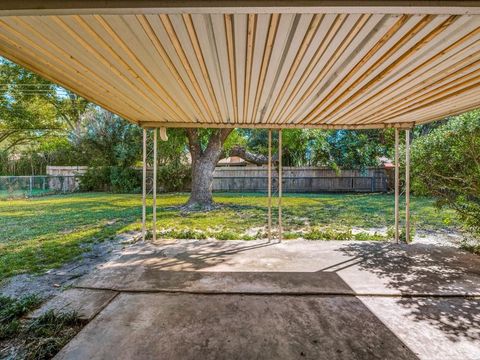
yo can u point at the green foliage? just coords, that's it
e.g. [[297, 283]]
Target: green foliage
[[114, 145], [125, 180], [235, 138], [402, 236], [34, 159], [49, 333], [174, 176], [42, 337], [184, 234], [111, 178], [332, 234], [96, 179], [110, 140], [39, 122], [352, 149], [11, 311], [446, 165], [296, 144], [26, 114], [173, 150], [34, 110], [474, 248], [334, 148]]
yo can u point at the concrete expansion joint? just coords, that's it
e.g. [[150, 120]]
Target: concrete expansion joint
[[468, 296]]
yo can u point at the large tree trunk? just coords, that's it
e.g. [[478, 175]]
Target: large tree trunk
[[204, 161]]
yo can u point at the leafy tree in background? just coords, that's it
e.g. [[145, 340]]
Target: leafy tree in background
[[30, 102], [312, 147], [446, 165], [25, 113], [353, 149], [39, 122], [114, 146]]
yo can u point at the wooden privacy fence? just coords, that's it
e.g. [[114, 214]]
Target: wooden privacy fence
[[254, 179], [301, 179]]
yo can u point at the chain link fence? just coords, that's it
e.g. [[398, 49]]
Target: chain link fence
[[29, 186]]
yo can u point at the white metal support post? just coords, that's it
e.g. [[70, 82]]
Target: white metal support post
[[269, 184], [407, 185], [397, 187], [144, 186], [280, 180], [154, 186]]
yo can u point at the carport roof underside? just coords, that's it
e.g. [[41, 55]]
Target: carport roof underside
[[325, 64]]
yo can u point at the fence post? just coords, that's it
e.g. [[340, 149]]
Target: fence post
[[31, 185]]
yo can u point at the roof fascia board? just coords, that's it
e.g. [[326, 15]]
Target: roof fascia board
[[84, 7]]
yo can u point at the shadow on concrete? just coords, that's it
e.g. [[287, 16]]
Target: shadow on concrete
[[233, 325], [351, 284], [416, 268], [196, 255]]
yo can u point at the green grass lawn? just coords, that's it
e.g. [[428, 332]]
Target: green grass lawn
[[41, 233]]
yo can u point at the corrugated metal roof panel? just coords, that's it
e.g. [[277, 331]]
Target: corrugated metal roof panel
[[344, 70]]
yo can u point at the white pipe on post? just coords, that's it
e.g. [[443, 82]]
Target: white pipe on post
[[269, 181], [397, 187], [280, 180], [144, 185], [154, 216], [407, 185]]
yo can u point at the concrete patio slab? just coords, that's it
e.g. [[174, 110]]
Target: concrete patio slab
[[87, 303], [188, 326], [434, 328], [360, 268], [298, 299]]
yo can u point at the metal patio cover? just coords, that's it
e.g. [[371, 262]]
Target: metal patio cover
[[269, 64]]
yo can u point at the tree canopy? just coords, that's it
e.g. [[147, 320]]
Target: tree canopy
[[446, 165]]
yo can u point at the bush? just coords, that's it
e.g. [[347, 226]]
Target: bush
[[125, 180], [111, 178], [174, 176], [446, 165], [96, 179]]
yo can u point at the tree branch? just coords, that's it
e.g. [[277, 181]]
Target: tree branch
[[257, 159], [215, 143]]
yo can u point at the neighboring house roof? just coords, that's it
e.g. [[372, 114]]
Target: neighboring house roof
[[232, 161], [386, 162]]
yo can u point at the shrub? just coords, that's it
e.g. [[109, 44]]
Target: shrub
[[125, 180], [330, 234], [96, 179], [174, 176], [446, 165], [111, 178]]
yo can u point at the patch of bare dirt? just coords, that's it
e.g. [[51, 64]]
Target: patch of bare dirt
[[54, 281]]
